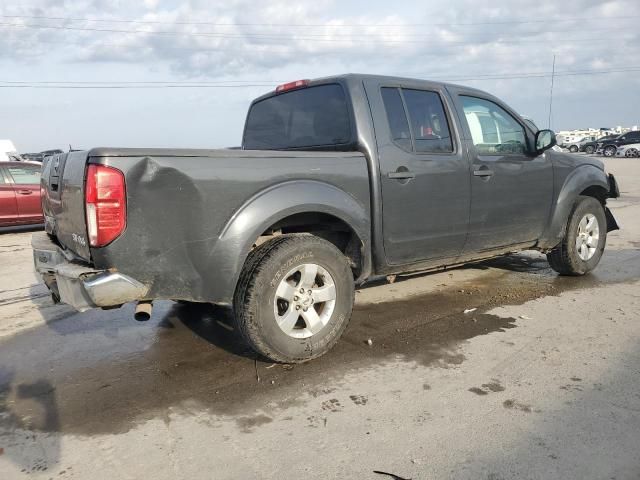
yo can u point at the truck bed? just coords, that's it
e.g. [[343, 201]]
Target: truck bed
[[180, 202]]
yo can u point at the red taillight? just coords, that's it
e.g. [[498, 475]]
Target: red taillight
[[105, 203], [292, 86]]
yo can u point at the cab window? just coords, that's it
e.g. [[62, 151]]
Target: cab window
[[423, 126], [493, 130], [428, 121]]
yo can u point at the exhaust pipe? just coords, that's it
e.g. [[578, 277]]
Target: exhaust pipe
[[143, 311]]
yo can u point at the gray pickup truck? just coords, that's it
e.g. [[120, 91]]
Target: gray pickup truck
[[339, 180]]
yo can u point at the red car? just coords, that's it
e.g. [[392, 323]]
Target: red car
[[20, 194]]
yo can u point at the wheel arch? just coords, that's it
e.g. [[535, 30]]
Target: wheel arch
[[586, 180], [306, 206]]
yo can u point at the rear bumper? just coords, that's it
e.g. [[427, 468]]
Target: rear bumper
[[78, 284]]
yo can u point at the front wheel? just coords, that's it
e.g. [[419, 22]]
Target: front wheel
[[584, 239], [573, 148], [294, 298], [589, 149], [609, 151], [631, 153]]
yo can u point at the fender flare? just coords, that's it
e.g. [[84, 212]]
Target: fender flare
[[272, 205], [576, 182]]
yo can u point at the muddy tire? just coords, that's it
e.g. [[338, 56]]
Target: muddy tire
[[294, 298], [584, 240]]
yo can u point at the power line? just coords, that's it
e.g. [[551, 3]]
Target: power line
[[553, 75], [307, 25], [228, 84], [253, 36]]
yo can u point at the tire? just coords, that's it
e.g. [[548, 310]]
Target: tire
[[589, 149], [573, 148], [609, 151], [631, 153], [263, 302], [569, 259]]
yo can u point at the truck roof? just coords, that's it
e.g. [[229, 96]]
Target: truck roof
[[359, 77]]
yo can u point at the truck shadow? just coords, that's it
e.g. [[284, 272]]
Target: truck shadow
[[101, 372]]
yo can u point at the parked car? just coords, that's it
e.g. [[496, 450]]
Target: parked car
[[610, 147], [33, 157], [48, 153], [629, 151], [376, 176], [20, 194], [577, 145], [592, 146]]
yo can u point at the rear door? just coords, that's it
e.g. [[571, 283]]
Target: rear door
[[8, 204], [511, 190], [26, 184], [424, 172]]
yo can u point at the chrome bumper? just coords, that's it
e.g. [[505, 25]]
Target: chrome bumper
[[79, 285]]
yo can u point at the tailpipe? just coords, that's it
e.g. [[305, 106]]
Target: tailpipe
[[143, 311]]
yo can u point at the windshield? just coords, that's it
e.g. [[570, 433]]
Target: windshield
[[314, 117]]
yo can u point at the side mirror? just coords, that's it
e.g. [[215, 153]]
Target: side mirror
[[545, 139]]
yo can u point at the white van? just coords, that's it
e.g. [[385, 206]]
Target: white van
[[8, 151]]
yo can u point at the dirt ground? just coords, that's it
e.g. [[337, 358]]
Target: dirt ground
[[541, 381]]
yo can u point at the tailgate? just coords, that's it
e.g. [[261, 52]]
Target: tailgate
[[63, 201]]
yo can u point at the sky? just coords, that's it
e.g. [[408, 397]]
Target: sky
[[168, 73]]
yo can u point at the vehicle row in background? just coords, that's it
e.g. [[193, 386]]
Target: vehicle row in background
[[609, 147], [9, 153]]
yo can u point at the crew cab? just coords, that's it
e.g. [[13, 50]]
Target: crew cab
[[339, 180]]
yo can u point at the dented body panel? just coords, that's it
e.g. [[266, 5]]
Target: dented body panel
[[192, 219]]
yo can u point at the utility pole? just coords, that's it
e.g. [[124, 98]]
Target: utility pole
[[553, 74]]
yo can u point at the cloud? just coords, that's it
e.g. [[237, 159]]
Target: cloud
[[468, 42], [197, 39]]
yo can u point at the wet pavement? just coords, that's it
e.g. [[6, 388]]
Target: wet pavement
[[101, 377]]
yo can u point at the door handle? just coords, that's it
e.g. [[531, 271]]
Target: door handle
[[483, 172], [25, 192], [401, 175]]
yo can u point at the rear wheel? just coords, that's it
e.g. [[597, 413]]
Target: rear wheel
[[294, 298], [584, 240], [573, 148], [631, 153], [589, 149]]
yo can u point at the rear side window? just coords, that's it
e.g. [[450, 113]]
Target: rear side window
[[309, 117], [398, 124], [429, 124], [428, 121], [25, 175]]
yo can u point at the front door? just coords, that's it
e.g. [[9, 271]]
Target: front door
[[424, 173], [511, 189]]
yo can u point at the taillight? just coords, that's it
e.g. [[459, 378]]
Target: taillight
[[105, 203], [285, 87]]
